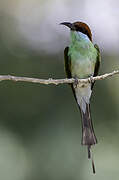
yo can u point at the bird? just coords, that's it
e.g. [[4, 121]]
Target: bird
[[82, 60]]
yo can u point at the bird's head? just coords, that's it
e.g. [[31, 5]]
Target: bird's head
[[79, 27]]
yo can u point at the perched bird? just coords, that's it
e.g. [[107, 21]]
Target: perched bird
[[82, 60]]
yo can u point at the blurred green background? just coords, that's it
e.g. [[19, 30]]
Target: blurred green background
[[40, 126]]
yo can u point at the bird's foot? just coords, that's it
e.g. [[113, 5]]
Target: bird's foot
[[91, 80], [75, 82]]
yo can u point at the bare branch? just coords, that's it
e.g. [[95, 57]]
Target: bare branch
[[56, 81]]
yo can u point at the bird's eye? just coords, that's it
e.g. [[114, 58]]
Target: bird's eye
[[76, 27]]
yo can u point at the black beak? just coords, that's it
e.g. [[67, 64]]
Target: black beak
[[68, 24]]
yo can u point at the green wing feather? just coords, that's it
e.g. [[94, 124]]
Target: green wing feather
[[67, 63], [97, 65]]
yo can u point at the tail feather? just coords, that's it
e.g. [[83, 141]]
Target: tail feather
[[88, 135], [82, 97]]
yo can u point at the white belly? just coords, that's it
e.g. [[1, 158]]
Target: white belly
[[82, 68], [83, 95]]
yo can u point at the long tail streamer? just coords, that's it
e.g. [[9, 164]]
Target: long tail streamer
[[90, 156]]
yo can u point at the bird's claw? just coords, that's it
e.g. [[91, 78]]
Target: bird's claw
[[75, 82], [91, 80]]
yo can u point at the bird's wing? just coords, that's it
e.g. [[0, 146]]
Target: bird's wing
[[67, 63], [97, 65]]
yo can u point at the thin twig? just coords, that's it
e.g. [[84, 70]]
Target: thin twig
[[56, 81]]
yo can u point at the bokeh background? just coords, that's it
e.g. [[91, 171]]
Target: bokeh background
[[40, 128]]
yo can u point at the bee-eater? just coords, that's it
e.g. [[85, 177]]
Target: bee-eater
[[82, 60]]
